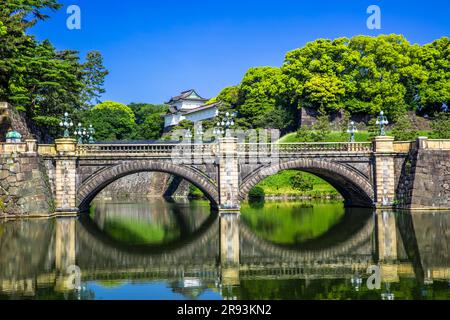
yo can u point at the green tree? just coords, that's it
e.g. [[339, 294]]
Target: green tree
[[362, 74], [93, 78], [313, 73], [321, 129], [403, 129], [35, 77], [434, 93], [345, 121], [256, 193], [46, 83], [143, 110], [441, 126], [373, 129], [152, 128], [304, 134], [300, 182], [384, 75], [112, 121], [184, 125], [260, 93], [149, 120], [3, 30], [228, 95]]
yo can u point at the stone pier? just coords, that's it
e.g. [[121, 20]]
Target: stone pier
[[65, 255], [229, 248], [65, 176], [228, 174], [384, 172]]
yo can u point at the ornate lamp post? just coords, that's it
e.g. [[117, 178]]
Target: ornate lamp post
[[356, 282], [382, 121], [352, 130], [66, 122], [198, 132], [387, 294], [223, 127], [91, 132], [188, 135], [218, 131], [80, 132]]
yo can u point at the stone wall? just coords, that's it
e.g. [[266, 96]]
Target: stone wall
[[425, 180], [10, 118], [147, 184], [431, 187], [308, 117], [24, 186], [404, 177]]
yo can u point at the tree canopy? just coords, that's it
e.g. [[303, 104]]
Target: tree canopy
[[360, 74], [112, 121], [149, 120], [35, 77]]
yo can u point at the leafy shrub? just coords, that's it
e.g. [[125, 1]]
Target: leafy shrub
[[303, 135], [441, 126], [300, 182], [256, 193], [403, 129], [322, 128]]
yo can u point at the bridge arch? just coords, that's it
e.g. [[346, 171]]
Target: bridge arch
[[356, 189], [87, 191], [356, 241]]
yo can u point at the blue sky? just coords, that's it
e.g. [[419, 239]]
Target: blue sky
[[155, 49]]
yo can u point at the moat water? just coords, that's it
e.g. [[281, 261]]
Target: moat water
[[159, 249]]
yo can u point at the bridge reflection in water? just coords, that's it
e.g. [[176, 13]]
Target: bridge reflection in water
[[199, 255]]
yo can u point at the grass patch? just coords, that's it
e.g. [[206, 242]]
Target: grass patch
[[195, 193], [136, 232], [280, 184], [337, 136], [291, 223]]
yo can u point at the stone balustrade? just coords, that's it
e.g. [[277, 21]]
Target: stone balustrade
[[305, 147], [47, 149], [403, 146], [438, 144], [29, 146], [20, 147], [369, 173], [157, 150], [208, 148]]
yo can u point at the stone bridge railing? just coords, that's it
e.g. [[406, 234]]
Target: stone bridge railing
[[123, 150], [382, 183], [152, 150], [304, 147], [166, 150], [29, 146]]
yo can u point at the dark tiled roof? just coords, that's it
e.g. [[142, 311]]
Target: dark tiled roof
[[202, 107], [184, 95]]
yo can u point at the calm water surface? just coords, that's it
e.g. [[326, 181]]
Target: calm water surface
[[158, 249]]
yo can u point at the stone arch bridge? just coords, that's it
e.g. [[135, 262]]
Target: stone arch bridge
[[382, 173]]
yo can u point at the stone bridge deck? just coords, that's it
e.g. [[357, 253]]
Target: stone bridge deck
[[382, 173]]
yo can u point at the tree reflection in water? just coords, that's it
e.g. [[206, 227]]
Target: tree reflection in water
[[178, 251]]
